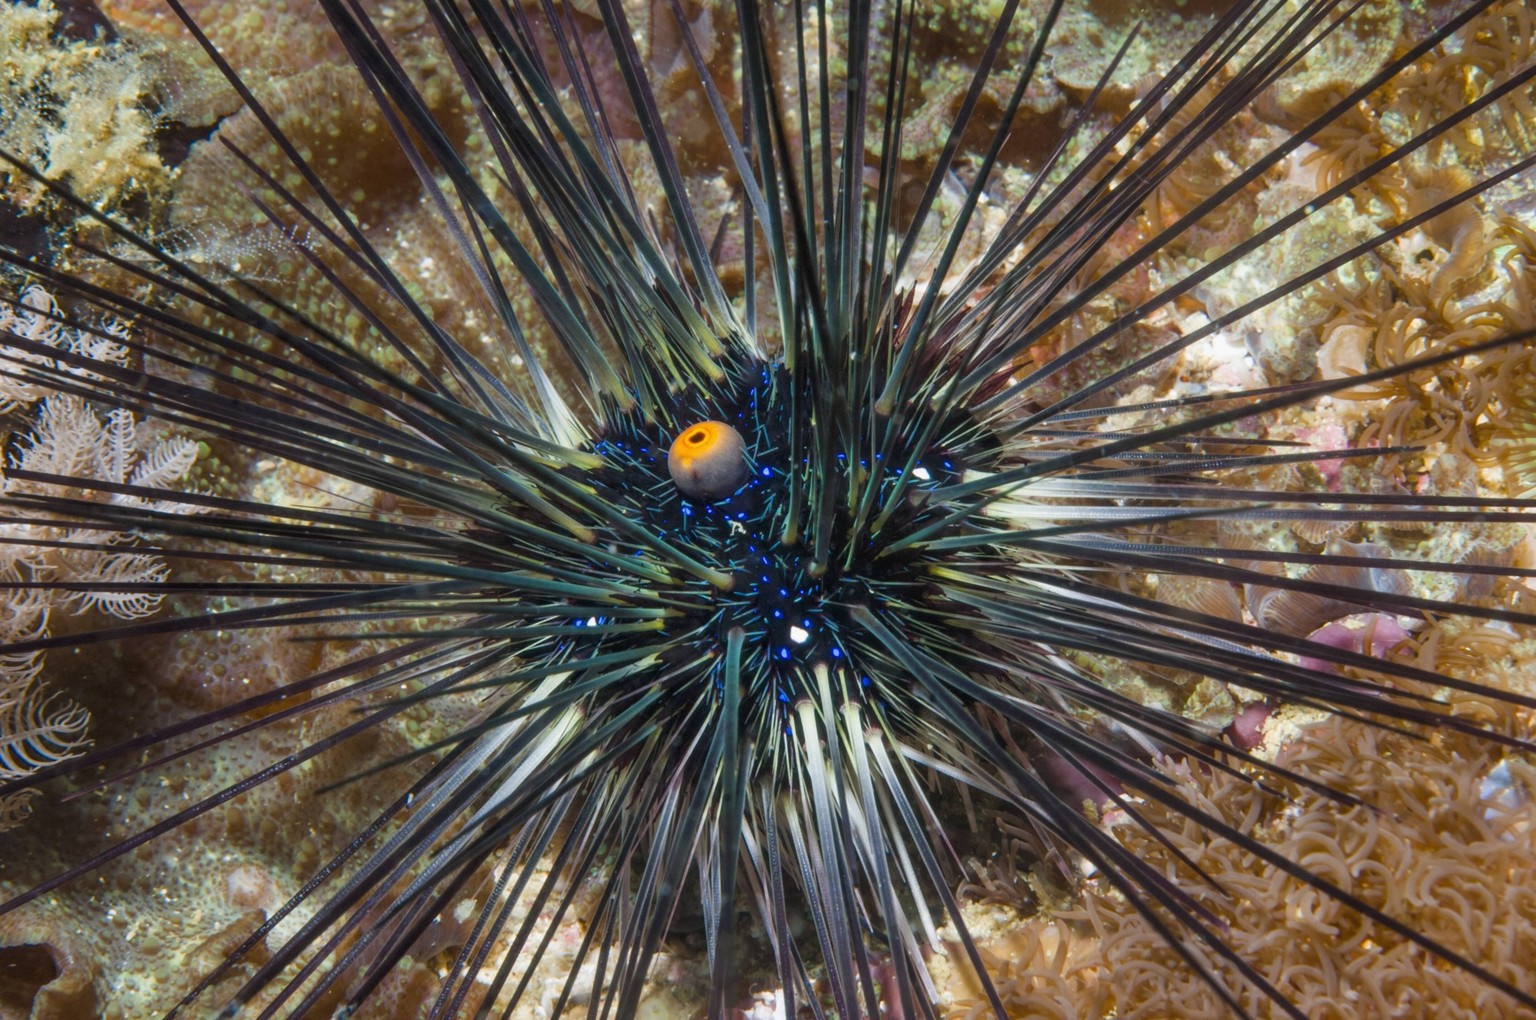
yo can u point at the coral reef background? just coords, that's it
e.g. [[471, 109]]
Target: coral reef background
[[117, 102]]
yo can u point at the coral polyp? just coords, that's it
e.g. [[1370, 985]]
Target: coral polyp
[[693, 513]]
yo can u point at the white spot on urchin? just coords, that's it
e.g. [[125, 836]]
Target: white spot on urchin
[[799, 635]]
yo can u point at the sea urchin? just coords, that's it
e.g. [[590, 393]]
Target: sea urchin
[[752, 538]]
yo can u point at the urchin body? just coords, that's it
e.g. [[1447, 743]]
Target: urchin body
[[790, 604]]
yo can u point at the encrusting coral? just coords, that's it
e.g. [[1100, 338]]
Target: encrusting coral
[[107, 114], [1441, 835], [1457, 279], [1442, 832]]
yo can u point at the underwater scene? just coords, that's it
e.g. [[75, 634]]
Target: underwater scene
[[767, 509]]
